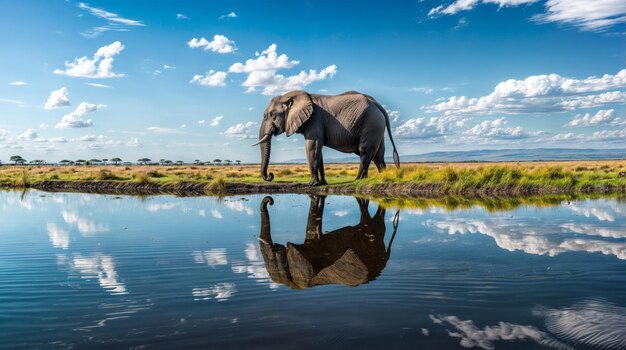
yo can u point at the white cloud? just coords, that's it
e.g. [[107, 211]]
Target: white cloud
[[3, 135], [87, 138], [229, 15], [596, 15], [465, 5], [216, 121], [58, 98], [219, 44], [424, 90], [160, 130], [75, 119], [28, 135], [181, 16], [102, 86], [240, 131], [100, 66], [15, 102], [496, 129], [212, 78], [84, 225], [428, 128], [539, 93], [134, 142], [113, 21], [59, 140], [609, 135], [262, 72], [601, 117], [18, 83], [268, 60]]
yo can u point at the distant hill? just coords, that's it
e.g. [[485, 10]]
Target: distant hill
[[499, 155]]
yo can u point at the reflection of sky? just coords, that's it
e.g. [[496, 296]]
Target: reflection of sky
[[108, 258]]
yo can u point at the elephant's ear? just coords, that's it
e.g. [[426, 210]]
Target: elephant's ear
[[300, 109]]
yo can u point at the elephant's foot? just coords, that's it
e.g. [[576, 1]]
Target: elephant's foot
[[314, 182], [323, 182]]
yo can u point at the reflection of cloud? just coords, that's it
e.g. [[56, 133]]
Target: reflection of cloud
[[59, 238], [594, 231], [220, 291], [212, 257], [239, 207], [84, 226], [255, 267], [98, 266], [472, 336], [593, 323], [340, 213], [515, 236], [162, 206], [585, 210], [216, 214]]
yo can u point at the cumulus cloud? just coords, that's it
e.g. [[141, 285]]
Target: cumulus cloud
[[601, 117], [28, 135], [496, 129], [58, 98], [609, 135], [539, 94], [428, 128], [587, 15], [58, 237], [219, 44], [99, 66], [18, 83], [75, 119], [181, 16], [240, 131], [216, 121], [114, 22], [229, 15], [262, 73], [211, 78], [133, 142]]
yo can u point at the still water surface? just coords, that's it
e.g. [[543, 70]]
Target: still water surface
[[294, 272]]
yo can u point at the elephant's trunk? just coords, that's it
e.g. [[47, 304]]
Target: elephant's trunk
[[266, 148]]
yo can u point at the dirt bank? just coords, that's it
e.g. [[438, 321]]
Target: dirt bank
[[401, 190]]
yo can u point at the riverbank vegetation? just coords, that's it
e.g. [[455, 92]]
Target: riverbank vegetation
[[410, 179]]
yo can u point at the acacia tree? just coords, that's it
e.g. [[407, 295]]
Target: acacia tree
[[228, 161], [238, 162], [65, 162], [144, 161], [116, 160], [17, 159], [217, 161]]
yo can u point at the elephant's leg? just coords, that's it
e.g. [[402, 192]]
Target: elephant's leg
[[379, 158], [321, 170], [313, 153], [367, 149]]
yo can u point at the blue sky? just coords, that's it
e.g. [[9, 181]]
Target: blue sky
[[186, 80]]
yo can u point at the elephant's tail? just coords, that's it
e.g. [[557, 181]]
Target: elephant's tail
[[396, 157]]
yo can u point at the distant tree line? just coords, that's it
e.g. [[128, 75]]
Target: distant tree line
[[19, 160]]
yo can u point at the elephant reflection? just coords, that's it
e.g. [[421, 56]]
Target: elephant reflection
[[351, 255]]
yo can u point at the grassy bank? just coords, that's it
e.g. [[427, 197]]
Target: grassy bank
[[411, 180]]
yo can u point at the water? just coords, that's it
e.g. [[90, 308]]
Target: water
[[98, 271]]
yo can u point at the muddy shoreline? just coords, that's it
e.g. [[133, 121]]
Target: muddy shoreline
[[397, 190]]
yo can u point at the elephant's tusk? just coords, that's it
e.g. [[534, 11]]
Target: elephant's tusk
[[262, 140]]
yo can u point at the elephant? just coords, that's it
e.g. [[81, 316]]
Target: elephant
[[351, 122], [351, 255]]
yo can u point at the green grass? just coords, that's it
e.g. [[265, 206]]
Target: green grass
[[449, 179]]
